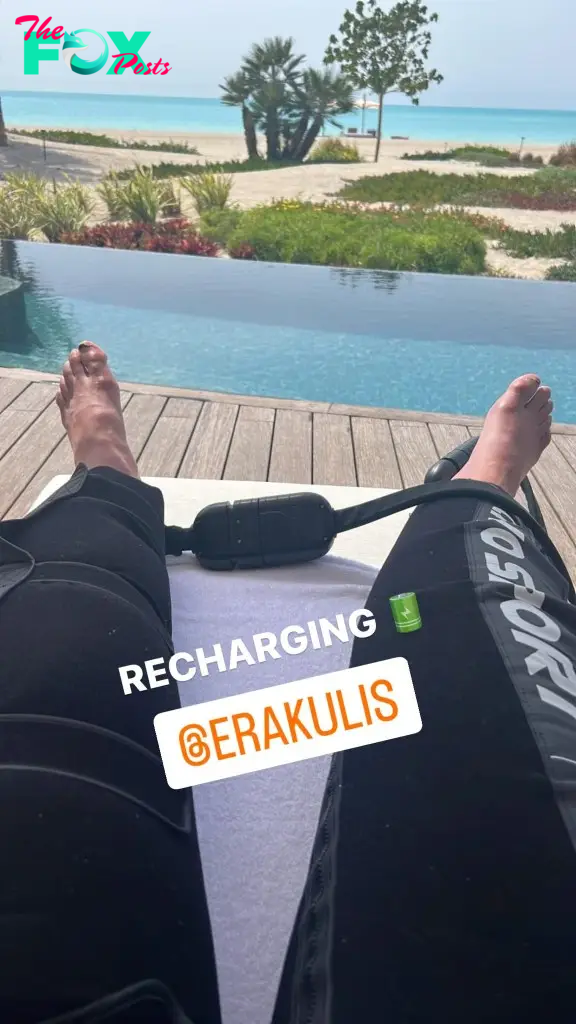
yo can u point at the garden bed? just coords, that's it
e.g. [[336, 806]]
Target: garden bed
[[548, 189]]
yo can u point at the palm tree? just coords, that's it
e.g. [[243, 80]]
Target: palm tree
[[273, 71], [237, 92], [323, 97], [3, 135], [271, 107], [273, 60]]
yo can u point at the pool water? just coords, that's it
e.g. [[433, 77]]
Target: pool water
[[404, 341]]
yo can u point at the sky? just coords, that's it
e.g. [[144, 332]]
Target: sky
[[492, 53]]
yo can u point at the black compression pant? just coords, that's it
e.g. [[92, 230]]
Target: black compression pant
[[100, 880], [443, 882]]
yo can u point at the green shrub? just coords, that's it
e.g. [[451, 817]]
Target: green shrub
[[209, 191], [219, 225], [547, 189], [62, 208], [18, 212], [411, 218], [140, 198], [29, 205], [178, 170], [112, 190], [334, 151], [548, 244], [489, 156], [333, 236], [562, 272], [565, 156], [25, 185], [492, 160], [104, 141], [557, 178]]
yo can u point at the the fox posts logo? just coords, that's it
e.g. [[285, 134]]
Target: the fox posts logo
[[47, 42]]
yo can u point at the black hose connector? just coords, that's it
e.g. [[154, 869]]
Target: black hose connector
[[447, 467], [450, 464]]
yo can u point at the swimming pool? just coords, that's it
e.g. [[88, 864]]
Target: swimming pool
[[406, 341]]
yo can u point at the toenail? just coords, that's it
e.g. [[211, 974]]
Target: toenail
[[84, 344]]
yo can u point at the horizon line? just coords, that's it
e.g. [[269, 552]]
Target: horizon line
[[139, 96]]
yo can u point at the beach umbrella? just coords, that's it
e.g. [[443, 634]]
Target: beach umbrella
[[366, 104]]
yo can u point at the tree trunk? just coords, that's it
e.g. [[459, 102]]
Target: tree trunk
[[250, 133], [310, 137], [293, 149], [3, 136], [272, 138], [379, 130]]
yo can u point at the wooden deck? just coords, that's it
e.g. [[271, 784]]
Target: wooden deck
[[181, 433]]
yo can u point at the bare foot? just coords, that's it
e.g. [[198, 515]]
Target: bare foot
[[515, 433], [89, 403]]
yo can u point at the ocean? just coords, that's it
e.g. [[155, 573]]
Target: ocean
[[187, 114]]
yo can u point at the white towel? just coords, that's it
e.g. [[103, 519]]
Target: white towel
[[256, 831]]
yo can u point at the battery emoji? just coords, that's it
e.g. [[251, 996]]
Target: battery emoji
[[406, 613]]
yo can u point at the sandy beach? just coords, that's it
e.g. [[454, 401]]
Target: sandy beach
[[315, 183]]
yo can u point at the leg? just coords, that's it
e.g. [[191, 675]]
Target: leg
[[105, 886], [454, 850]]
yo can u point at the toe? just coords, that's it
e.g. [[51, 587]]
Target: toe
[[525, 388], [521, 391], [545, 413], [76, 365], [542, 397], [68, 377], [93, 358], [64, 392], [546, 434]]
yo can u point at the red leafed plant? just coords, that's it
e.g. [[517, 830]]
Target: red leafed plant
[[543, 201], [170, 236]]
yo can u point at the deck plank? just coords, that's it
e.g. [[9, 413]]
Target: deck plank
[[332, 451], [415, 450], [249, 455], [10, 390], [28, 454], [168, 441], [567, 446], [140, 416], [291, 457], [558, 482], [376, 460], [21, 411], [14, 423], [447, 436], [60, 462], [209, 445], [556, 531], [35, 398]]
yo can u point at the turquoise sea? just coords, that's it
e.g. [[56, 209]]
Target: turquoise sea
[[188, 114]]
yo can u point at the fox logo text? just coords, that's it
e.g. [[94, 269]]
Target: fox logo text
[[45, 41]]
